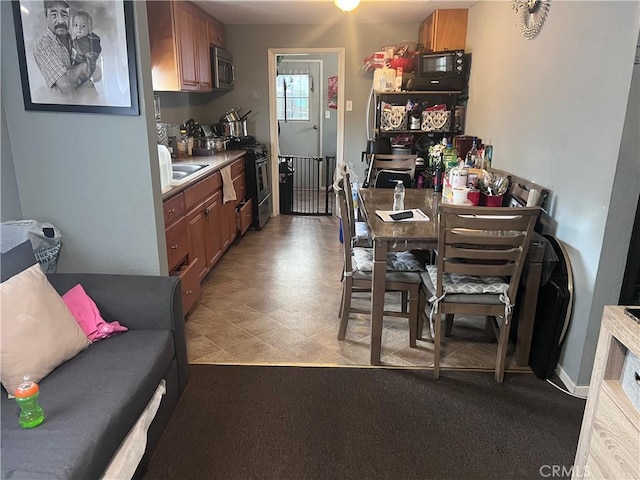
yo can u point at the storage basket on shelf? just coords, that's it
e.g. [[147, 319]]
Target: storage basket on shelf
[[436, 120], [394, 118]]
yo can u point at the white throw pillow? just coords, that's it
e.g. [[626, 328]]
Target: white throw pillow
[[38, 332]]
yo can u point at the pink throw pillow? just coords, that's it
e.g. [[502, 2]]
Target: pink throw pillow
[[88, 316]]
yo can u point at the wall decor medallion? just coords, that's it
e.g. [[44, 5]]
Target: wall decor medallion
[[533, 14]]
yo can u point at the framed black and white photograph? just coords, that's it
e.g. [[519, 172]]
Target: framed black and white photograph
[[77, 56]]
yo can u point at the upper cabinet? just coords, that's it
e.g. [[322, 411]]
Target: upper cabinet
[[444, 29], [180, 35], [216, 33]]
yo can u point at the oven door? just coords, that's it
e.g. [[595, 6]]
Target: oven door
[[262, 178]]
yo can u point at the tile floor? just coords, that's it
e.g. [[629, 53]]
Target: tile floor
[[274, 297]]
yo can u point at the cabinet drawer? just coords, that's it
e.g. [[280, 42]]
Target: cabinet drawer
[[244, 217], [173, 208], [190, 285], [237, 167], [177, 243], [202, 189], [240, 186]]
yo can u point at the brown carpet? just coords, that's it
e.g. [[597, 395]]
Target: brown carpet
[[262, 422]]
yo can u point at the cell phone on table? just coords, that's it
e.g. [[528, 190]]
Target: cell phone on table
[[401, 215], [633, 313]]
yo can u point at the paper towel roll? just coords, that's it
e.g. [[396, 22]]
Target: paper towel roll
[[164, 160]]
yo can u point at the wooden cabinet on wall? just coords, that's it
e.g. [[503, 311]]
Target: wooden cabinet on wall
[[444, 29], [200, 227], [609, 445], [217, 34], [180, 38]]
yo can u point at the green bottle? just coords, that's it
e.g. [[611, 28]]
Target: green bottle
[[31, 413]]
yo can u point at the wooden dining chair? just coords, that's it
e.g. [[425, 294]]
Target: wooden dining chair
[[385, 169], [481, 254], [403, 275]]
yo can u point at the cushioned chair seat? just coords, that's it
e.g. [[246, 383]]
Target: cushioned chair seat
[[82, 429], [474, 298], [407, 277], [403, 261]]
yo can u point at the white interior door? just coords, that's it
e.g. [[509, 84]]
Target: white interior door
[[299, 93]]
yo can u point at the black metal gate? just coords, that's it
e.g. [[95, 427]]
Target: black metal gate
[[306, 185]]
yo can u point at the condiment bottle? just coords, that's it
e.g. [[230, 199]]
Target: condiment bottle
[[31, 413]]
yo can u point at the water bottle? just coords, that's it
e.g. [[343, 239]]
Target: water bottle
[[27, 393], [398, 196]]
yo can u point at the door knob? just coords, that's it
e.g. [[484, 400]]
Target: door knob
[[315, 127]]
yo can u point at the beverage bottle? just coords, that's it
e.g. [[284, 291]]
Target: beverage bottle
[[450, 162], [31, 413], [398, 196], [472, 155]]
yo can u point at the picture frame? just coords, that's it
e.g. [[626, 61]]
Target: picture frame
[[100, 73]]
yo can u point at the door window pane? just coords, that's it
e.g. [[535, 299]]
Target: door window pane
[[293, 97]]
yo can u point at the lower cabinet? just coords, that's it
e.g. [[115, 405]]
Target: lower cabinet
[[199, 228]]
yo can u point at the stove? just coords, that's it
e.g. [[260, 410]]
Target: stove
[[258, 175]]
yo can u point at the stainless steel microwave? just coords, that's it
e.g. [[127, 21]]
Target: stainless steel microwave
[[223, 74], [447, 70]]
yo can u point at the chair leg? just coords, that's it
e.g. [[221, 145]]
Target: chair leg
[[502, 349], [413, 315], [436, 345], [448, 324], [403, 302], [422, 304], [346, 307]]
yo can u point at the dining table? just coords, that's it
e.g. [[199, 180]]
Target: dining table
[[393, 237], [409, 235]]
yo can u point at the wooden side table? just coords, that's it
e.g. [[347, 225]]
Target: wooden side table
[[609, 445]]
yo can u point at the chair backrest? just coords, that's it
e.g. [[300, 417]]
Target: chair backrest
[[348, 224], [483, 241], [348, 191], [397, 164]]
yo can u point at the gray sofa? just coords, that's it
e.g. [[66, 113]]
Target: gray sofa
[[92, 401]]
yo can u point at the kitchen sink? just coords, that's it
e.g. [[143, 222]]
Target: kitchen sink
[[180, 171]]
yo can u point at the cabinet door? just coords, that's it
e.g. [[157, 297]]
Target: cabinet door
[[444, 29], [216, 33], [214, 229], [196, 227], [202, 52], [186, 44], [177, 243], [190, 286]]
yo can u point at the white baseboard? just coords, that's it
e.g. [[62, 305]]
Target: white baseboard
[[581, 390]]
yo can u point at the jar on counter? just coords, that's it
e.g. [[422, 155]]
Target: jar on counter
[[182, 144]]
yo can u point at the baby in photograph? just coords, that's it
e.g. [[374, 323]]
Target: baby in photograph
[[85, 45]]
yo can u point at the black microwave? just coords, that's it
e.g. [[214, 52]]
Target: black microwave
[[448, 70]]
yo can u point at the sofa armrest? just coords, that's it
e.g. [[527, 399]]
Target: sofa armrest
[[139, 302]]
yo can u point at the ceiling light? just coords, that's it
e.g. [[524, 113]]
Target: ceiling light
[[346, 5]]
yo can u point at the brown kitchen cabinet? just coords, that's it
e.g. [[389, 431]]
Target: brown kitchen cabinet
[[444, 29], [199, 228], [217, 35], [179, 41]]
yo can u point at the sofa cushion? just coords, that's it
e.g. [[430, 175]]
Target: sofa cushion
[[38, 331], [17, 259], [87, 314], [90, 403]]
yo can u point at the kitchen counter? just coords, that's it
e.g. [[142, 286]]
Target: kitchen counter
[[214, 163]]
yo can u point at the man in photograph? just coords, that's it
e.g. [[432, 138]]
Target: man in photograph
[[52, 53]]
